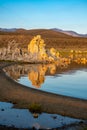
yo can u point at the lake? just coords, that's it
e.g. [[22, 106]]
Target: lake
[[68, 79]]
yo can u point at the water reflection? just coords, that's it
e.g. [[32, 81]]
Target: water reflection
[[23, 118], [36, 73], [70, 77]]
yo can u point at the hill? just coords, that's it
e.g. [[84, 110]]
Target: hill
[[8, 30], [21, 30], [52, 38], [33, 32], [69, 32]]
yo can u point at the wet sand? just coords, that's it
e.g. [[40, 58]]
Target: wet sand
[[22, 97]]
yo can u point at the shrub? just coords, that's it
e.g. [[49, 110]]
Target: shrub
[[35, 108]]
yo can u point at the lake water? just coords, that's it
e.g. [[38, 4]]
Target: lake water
[[69, 79], [23, 118]]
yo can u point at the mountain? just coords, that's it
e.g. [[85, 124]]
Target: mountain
[[71, 33], [8, 30], [22, 30], [47, 33]]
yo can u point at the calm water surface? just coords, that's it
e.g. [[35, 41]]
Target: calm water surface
[[69, 79], [23, 118]]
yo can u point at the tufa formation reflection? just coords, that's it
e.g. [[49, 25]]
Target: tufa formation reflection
[[36, 72], [37, 75]]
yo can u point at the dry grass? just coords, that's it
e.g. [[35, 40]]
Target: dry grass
[[52, 39]]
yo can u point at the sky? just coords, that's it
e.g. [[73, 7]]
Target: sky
[[36, 14]]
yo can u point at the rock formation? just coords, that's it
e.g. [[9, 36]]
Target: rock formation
[[54, 53], [13, 53], [37, 48], [36, 52]]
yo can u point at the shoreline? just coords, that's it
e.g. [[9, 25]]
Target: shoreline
[[79, 126], [75, 126], [21, 97]]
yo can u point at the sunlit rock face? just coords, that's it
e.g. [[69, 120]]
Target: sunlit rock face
[[37, 47], [54, 54], [36, 52]]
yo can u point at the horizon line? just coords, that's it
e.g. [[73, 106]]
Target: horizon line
[[41, 28]]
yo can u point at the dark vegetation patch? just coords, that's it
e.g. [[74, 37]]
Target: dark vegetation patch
[[35, 108]]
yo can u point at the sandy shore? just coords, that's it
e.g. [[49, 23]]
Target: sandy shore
[[22, 96]]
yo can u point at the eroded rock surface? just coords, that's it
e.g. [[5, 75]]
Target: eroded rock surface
[[37, 48], [36, 52]]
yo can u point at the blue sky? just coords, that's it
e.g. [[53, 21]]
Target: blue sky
[[32, 14]]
